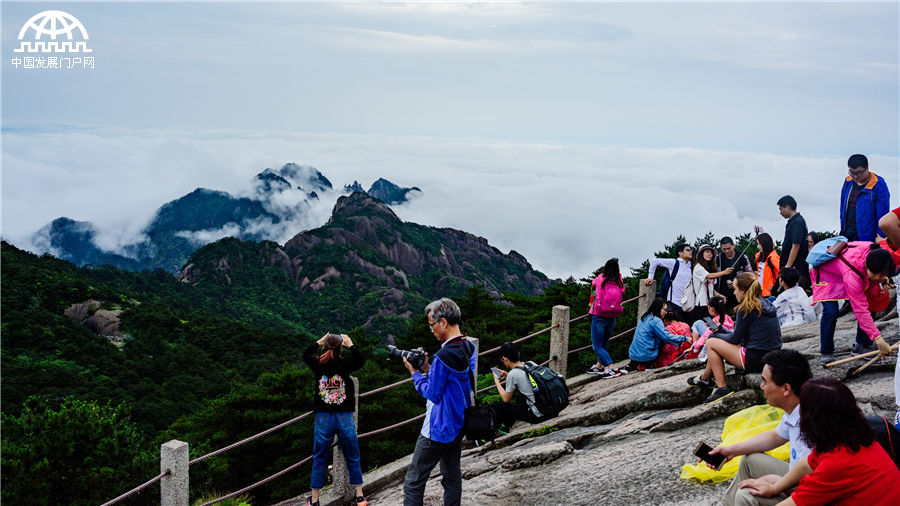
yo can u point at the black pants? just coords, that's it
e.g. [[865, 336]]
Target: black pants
[[507, 413], [427, 455]]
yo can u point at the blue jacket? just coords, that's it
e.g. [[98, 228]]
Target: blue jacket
[[648, 335], [872, 203], [447, 386]]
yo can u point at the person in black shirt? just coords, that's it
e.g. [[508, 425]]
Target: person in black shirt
[[730, 258], [795, 245], [334, 396]]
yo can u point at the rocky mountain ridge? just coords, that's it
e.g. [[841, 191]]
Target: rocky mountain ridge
[[366, 256]]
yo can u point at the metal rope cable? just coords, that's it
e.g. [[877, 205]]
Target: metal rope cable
[[386, 387], [138, 488], [261, 482], [251, 438], [611, 338], [385, 429], [519, 340]]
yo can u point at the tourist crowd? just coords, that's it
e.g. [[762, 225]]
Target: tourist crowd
[[720, 306]]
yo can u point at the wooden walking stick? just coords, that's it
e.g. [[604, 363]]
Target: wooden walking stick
[[857, 357], [870, 362]]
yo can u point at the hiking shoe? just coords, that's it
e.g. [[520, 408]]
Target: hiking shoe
[[609, 372], [718, 394], [859, 349], [826, 359], [594, 370], [695, 381], [361, 501]]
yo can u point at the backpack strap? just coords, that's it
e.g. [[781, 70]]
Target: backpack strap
[[864, 278], [887, 428], [472, 396]]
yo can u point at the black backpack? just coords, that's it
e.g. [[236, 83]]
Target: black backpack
[[887, 436], [551, 395], [666, 284]]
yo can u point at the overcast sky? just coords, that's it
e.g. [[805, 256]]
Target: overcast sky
[[568, 132]]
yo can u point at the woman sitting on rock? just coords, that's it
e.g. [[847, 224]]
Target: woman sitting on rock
[[756, 332], [846, 466], [649, 335]]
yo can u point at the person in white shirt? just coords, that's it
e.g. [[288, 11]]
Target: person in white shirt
[[784, 372], [680, 276], [792, 305]]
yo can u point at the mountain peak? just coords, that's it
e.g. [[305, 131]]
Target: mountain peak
[[361, 204], [389, 193]]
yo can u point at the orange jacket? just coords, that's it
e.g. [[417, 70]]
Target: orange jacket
[[767, 272]]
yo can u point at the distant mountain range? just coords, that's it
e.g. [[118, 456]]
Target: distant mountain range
[[278, 206]]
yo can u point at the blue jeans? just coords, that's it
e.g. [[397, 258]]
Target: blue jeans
[[827, 325], [327, 425], [601, 329]]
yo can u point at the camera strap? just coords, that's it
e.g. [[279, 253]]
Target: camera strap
[[468, 355]]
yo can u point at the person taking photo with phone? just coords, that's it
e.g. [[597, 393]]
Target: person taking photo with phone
[[517, 381], [784, 373], [334, 405]]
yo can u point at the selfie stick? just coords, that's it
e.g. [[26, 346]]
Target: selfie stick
[[757, 230]]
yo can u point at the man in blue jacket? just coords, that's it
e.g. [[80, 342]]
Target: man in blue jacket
[[864, 200], [446, 386]]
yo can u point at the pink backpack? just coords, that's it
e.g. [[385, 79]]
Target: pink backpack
[[608, 299]]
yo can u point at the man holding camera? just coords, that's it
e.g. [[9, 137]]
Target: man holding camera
[[446, 386]]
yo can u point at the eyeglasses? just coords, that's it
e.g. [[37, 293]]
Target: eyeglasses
[[432, 324], [857, 172]]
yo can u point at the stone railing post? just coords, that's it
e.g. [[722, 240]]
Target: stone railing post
[[174, 487], [647, 293], [475, 342], [341, 475], [559, 340]]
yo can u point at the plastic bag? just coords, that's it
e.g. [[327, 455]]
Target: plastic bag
[[739, 427]]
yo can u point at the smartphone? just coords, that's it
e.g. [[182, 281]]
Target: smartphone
[[702, 452], [495, 371]]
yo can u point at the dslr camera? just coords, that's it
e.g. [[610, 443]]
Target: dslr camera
[[415, 357]]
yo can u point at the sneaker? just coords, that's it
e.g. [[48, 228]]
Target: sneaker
[[718, 394], [609, 372], [826, 358], [594, 370], [695, 381], [859, 349], [625, 370], [361, 501]]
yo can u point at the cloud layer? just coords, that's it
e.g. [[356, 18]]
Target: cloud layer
[[566, 208]]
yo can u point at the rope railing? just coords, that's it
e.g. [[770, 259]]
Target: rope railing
[[251, 438], [521, 339], [137, 489], [386, 387], [260, 482], [576, 350]]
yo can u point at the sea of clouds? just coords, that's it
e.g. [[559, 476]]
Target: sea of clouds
[[566, 208]]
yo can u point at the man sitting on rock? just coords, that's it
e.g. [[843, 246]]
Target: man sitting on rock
[[784, 372], [517, 380]]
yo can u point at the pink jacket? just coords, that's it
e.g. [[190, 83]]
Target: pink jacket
[[837, 281], [606, 301]]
